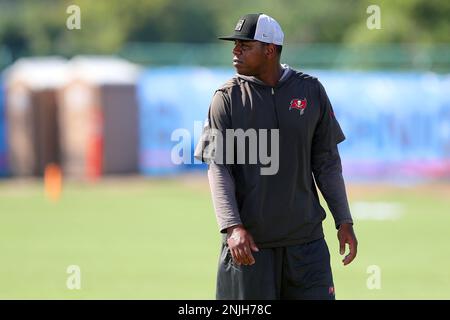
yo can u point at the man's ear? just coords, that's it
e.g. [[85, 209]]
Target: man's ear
[[270, 50]]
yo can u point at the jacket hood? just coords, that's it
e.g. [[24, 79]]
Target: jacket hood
[[287, 73]]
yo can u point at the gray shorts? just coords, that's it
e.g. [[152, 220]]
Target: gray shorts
[[291, 272]]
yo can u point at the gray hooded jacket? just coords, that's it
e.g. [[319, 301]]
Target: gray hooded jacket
[[280, 208]]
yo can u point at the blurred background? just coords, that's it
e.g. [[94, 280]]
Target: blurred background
[[92, 203]]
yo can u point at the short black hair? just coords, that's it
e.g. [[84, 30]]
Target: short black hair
[[279, 49]]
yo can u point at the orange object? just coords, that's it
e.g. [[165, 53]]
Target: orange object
[[94, 155], [53, 182]]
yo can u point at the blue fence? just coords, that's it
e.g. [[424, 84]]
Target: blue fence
[[396, 123], [172, 98]]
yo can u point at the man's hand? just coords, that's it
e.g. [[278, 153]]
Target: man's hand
[[241, 245], [347, 235]]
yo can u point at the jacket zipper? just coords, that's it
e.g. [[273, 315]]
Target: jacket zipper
[[275, 106]]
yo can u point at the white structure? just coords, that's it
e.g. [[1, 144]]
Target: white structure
[[99, 117], [31, 113]]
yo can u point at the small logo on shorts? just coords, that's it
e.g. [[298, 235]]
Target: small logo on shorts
[[299, 104]]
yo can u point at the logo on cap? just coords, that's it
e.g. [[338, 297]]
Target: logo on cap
[[239, 25]]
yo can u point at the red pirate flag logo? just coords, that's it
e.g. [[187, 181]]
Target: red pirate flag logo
[[299, 104]]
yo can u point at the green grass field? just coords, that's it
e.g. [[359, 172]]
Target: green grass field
[[140, 238]]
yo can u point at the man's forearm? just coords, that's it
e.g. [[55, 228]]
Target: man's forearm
[[223, 195], [328, 175]]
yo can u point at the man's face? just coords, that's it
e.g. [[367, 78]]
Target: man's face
[[249, 57]]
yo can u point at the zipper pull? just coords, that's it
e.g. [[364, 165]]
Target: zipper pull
[[273, 91]]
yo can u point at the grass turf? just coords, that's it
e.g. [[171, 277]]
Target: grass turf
[[157, 239]]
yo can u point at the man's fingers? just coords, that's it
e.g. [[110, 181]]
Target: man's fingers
[[242, 256], [233, 256], [349, 258], [249, 256], [253, 245], [346, 235], [245, 259], [236, 256], [342, 246], [353, 249]]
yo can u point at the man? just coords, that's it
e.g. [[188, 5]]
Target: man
[[273, 245]]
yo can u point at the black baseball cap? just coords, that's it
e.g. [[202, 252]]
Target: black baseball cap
[[257, 26]]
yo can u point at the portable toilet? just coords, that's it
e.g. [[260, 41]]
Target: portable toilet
[[32, 113], [98, 117]]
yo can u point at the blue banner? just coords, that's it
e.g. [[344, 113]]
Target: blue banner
[[396, 124], [172, 98]]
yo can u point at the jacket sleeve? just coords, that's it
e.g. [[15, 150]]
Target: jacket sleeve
[[211, 146], [211, 149], [326, 162], [327, 170], [223, 195]]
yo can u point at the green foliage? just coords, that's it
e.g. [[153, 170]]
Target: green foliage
[[412, 21], [39, 27]]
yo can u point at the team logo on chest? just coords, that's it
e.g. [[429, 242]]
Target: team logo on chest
[[299, 104]]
